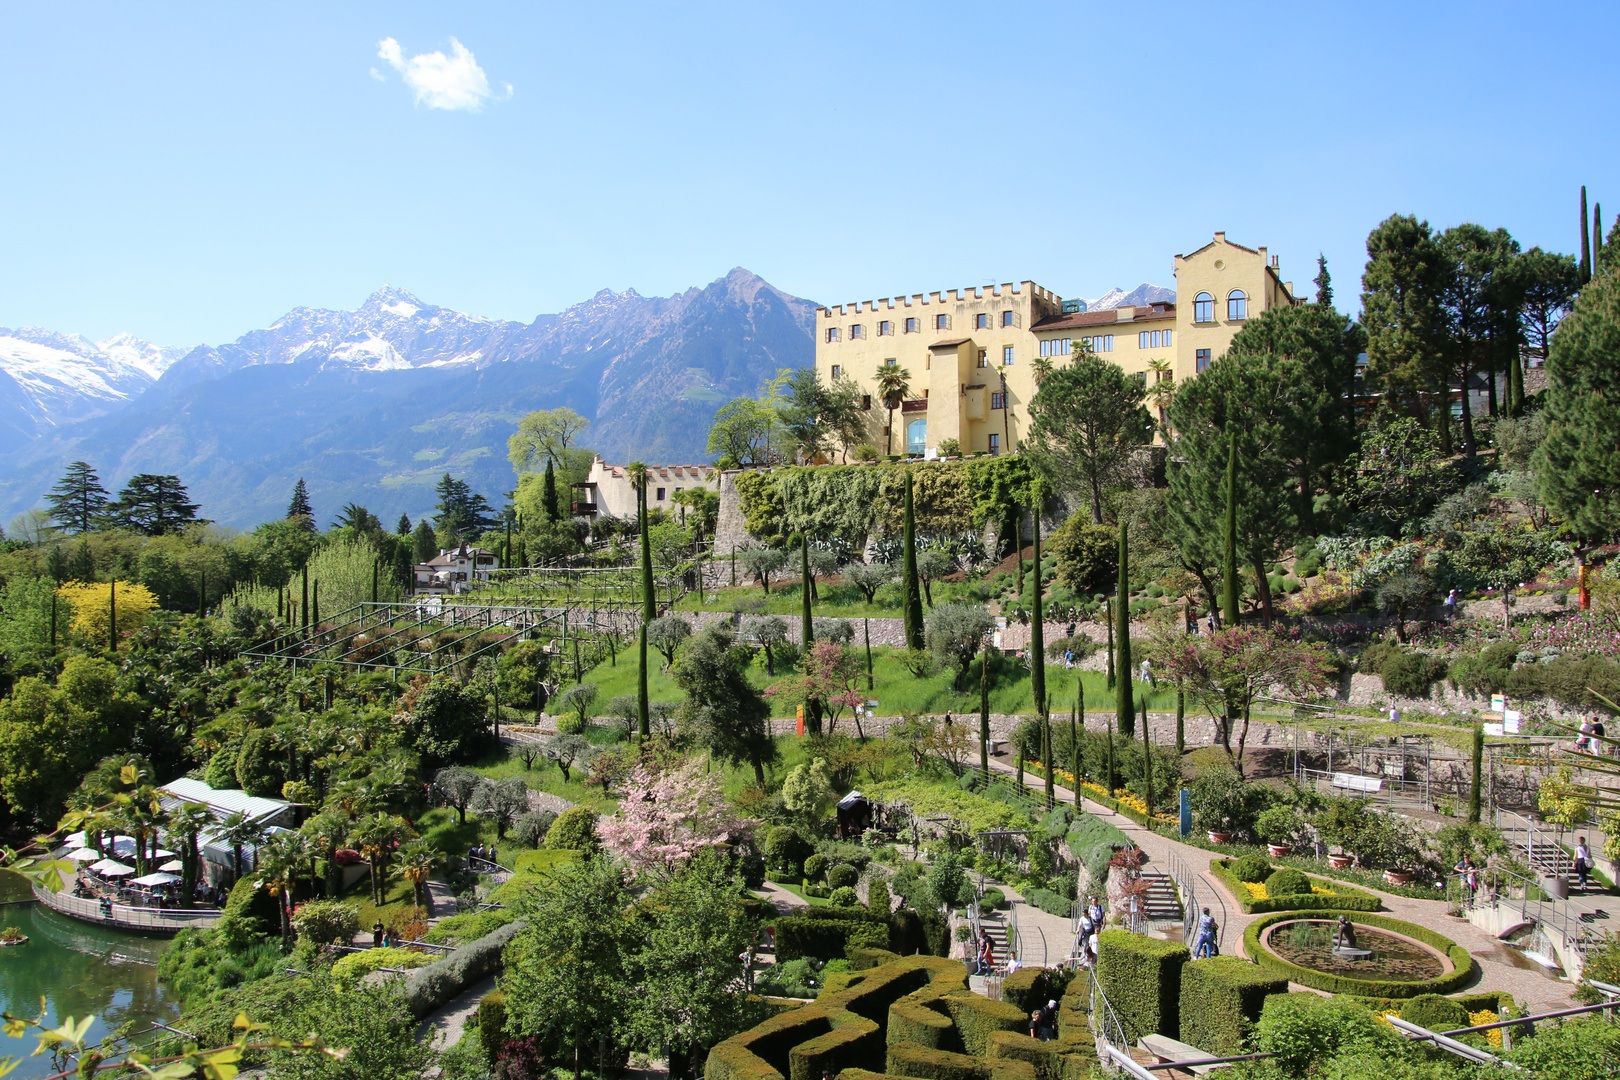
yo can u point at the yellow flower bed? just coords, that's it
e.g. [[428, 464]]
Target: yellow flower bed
[[1257, 889], [1487, 1016]]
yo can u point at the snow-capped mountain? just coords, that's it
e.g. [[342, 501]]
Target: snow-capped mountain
[[49, 379], [1141, 295], [374, 405]]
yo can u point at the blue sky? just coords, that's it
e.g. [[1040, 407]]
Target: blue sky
[[190, 172]]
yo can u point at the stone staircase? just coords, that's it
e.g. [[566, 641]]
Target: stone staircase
[[1547, 860], [1163, 902]]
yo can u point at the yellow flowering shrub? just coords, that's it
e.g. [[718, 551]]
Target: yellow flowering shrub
[[90, 603], [1487, 1016]]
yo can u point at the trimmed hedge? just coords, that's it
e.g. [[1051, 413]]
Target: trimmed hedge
[[826, 938], [1042, 1056], [1338, 984], [976, 1018], [1050, 902], [862, 959], [924, 1063], [1221, 999], [1344, 898], [842, 1030], [427, 988], [1287, 882], [1141, 978]]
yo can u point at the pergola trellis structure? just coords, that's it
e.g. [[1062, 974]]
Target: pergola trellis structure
[[597, 588], [429, 636]]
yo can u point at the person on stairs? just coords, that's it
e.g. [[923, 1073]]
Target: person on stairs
[[1206, 936]]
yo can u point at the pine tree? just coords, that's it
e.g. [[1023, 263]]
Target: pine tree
[[1124, 706], [404, 526], [1579, 458], [1324, 282], [548, 495], [153, 505], [910, 591], [78, 501], [1586, 242], [299, 509]]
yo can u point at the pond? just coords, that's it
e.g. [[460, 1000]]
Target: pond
[[78, 969], [1309, 943]]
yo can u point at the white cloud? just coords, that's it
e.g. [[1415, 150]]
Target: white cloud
[[440, 81]]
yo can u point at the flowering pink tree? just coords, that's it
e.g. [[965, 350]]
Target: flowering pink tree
[[1228, 671], [668, 815], [830, 674]]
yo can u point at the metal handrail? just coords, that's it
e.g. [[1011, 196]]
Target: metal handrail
[[1543, 914], [1186, 881], [1105, 1023], [168, 920], [1531, 832]]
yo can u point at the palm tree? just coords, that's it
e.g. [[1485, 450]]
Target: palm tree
[[143, 817], [1163, 386], [894, 383], [376, 836], [1042, 367], [187, 825], [328, 830], [239, 831], [417, 861], [279, 860]]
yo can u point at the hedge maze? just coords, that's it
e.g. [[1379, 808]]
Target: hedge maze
[[916, 1018]]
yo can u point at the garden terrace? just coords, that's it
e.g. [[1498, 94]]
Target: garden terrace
[[606, 589], [423, 637]]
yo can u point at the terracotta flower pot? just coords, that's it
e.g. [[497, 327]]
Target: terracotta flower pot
[[1398, 877], [1219, 837], [1340, 862], [1279, 850]]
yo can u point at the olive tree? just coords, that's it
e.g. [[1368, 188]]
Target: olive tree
[[579, 699], [954, 633], [760, 563], [931, 566], [666, 634], [768, 632], [869, 577]]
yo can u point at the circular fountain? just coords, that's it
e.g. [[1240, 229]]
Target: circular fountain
[[1352, 952]]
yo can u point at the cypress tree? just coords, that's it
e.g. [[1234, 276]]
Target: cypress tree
[[866, 628], [280, 613], [315, 604], [807, 631], [112, 613], [1037, 657], [1147, 759], [1229, 571], [374, 580], [1181, 722], [1110, 608], [649, 611], [1586, 243], [984, 704], [1020, 765], [1597, 238], [1475, 783], [1074, 733], [303, 604], [53, 620], [911, 592], [549, 503], [1125, 706], [1113, 765]]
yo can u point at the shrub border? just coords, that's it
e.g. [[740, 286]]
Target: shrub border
[[1356, 900], [1466, 967]]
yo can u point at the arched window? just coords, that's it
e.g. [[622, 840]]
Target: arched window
[[917, 436], [1237, 305], [1203, 308]]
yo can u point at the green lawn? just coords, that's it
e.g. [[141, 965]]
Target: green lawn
[[898, 691]]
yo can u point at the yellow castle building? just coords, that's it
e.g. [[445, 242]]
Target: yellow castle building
[[971, 354]]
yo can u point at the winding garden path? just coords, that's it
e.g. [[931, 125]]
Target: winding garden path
[[1501, 968]]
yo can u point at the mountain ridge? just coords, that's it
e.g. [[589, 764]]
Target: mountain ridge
[[373, 404]]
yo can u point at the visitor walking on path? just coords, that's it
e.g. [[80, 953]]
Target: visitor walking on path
[[1583, 861], [1206, 936]]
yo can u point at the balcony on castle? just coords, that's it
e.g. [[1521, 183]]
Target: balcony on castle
[[915, 405]]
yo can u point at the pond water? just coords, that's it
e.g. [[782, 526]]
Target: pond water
[[1309, 943], [78, 969]]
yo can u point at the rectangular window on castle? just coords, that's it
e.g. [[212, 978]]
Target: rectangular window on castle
[[942, 322], [1108, 343], [911, 326], [1007, 318], [1201, 359], [995, 443], [660, 495], [891, 362], [837, 371], [885, 328], [981, 321], [833, 334], [856, 331], [998, 401], [1167, 334], [866, 401], [984, 358], [1006, 354]]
